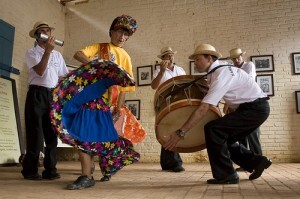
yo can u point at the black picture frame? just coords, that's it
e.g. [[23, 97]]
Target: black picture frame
[[134, 107], [10, 124], [296, 62], [193, 70], [263, 63], [297, 95], [266, 83], [156, 66], [144, 75]]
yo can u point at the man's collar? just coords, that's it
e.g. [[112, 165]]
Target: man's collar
[[214, 64]]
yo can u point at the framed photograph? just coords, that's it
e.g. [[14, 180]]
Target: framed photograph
[[297, 94], [263, 63], [193, 69], [156, 66], [134, 107], [144, 75], [266, 83], [11, 139], [296, 62], [226, 61]]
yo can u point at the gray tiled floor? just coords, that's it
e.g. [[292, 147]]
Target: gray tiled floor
[[148, 181]]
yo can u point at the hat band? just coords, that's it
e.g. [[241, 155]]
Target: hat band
[[42, 25], [168, 51]]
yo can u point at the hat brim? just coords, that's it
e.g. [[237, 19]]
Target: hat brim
[[32, 32], [161, 55], [205, 52], [233, 57]]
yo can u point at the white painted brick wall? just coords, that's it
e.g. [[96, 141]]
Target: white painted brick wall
[[257, 26]]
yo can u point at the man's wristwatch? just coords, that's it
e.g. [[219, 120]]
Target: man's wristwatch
[[180, 133]]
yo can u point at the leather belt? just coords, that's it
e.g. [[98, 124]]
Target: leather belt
[[261, 99]]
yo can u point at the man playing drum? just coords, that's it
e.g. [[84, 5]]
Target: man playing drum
[[169, 160], [240, 92]]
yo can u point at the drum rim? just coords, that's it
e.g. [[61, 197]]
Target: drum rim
[[175, 106], [160, 88]]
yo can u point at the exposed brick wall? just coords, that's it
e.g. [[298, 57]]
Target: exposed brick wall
[[259, 27]]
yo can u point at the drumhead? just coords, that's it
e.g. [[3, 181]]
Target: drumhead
[[171, 120]]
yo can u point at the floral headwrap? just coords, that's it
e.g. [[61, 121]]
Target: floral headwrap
[[124, 21]]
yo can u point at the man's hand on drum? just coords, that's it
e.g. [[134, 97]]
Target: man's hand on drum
[[164, 65], [172, 142]]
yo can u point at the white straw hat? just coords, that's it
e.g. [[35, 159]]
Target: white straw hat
[[236, 52], [38, 25], [166, 50], [205, 49]]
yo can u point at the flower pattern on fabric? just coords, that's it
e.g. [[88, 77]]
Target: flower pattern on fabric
[[114, 154]]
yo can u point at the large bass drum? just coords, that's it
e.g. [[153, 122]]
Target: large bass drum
[[174, 108]]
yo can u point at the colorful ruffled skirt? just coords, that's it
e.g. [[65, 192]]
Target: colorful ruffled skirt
[[81, 116]]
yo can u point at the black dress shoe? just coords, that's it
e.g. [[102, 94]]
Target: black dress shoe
[[178, 169], [51, 177], [105, 178], [33, 177], [261, 163], [82, 182], [232, 179]]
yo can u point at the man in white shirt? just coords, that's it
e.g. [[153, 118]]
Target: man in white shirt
[[45, 66], [252, 140], [169, 160], [240, 92]]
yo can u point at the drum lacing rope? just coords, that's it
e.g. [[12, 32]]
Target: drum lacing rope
[[168, 100], [188, 95], [194, 81]]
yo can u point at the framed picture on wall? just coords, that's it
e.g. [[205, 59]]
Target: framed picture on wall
[[297, 94], [144, 75], [296, 62], [156, 66], [134, 107], [193, 69], [265, 82], [263, 63]]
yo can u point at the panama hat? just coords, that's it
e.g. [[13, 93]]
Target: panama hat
[[38, 25], [236, 52], [166, 50], [205, 49]]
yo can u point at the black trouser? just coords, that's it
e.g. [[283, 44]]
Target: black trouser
[[221, 136], [252, 142], [169, 160], [38, 130]]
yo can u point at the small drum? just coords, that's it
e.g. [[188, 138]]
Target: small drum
[[174, 108]]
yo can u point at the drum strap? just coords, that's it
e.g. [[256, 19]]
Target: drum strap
[[194, 81]]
